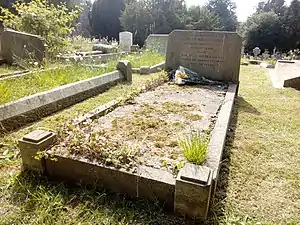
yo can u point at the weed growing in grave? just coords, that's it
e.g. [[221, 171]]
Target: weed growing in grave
[[194, 147]]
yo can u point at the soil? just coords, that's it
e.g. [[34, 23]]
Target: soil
[[147, 129]]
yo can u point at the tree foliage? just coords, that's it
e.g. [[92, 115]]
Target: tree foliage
[[152, 16], [105, 17], [38, 17], [273, 25], [200, 18], [226, 10]]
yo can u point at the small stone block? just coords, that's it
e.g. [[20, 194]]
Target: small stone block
[[196, 174], [145, 70], [37, 136], [126, 69]]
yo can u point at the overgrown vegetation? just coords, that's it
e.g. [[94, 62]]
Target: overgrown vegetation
[[147, 58], [52, 22], [43, 81], [194, 147]]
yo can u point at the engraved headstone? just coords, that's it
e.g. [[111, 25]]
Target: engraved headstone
[[157, 42], [125, 41], [214, 55]]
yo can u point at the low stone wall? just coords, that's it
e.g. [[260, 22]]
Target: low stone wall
[[28, 109], [188, 195], [149, 69]]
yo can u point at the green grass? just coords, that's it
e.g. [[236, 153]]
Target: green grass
[[147, 58], [194, 147], [8, 69], [43, 81], [260, 177], [259, 181]]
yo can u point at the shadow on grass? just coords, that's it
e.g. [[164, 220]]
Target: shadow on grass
[[245, 106], [35, 194]]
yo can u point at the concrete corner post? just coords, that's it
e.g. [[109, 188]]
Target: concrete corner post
[[126, 69], [193, 191], [31, 144]]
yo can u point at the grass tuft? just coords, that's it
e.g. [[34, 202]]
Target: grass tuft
[[194, 147]]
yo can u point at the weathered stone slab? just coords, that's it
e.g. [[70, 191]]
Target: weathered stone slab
[[215, 55], [193, 191], [287, 73], [218, 136], [148, 183], [101, 110], [32, 143], [156, 184], [126, 69], [104, 48], [27, 109], [18, 45], [37, 136], [196, 174], [157, 42]]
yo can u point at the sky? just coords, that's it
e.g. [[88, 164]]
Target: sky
[[244, 7]]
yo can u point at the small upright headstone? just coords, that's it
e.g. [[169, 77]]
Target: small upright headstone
[[256, 52], [214, 55], [126, 41]]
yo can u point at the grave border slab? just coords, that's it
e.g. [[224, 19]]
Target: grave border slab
[[152, 183]]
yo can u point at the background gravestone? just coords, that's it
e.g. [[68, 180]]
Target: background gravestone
[[18, 46], [125, 41], [157, 42], [215, 55]]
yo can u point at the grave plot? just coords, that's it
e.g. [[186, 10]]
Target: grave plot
[[139, 148], [147, 130]]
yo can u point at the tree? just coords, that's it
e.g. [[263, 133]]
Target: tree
[[263, 30], [277, 6], [105, 17], [200, 18], [41, 18], [137, 19], [226, 10], [152, 16], [83, 27]]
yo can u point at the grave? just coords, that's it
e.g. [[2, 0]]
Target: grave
[[286, 74], [19, 45], [214, 55], [126, 41], [157, 42], [140, 153]]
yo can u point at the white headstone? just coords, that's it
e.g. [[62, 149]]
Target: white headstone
[[125, 40]]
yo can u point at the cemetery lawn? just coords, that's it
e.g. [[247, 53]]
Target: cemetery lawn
[[15, 88], [259, 177]]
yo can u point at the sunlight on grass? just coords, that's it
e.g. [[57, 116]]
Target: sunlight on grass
[[147, 58], [194, 147]]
